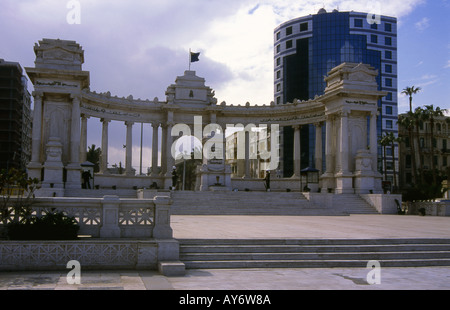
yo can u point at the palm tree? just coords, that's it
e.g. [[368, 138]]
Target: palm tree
[[431, 114], [407, 122], [93, 156], [390, 139], [385, 141], [419, 116], [410, 91]]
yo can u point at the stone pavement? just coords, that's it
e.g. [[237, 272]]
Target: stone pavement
[[355, 226]]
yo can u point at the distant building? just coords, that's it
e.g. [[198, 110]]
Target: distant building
[[15, 117], [441, 144], [307, 48]]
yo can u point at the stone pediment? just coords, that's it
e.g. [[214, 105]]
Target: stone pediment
[[59, 54], [361, 73], [189, 89]]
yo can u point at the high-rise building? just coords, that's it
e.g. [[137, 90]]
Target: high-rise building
[[307, 48], [15, 117]]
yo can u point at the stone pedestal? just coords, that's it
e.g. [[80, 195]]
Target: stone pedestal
[[214, 176], [344, 183], [53, 166]]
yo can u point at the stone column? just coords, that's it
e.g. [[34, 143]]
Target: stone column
[[74, 168], [35, 166], [247, 155], [37, 129], [344, 179], [129, 149], [297, 151], [328, 145], [373, 140], [155, 127], [344, 153], [318, 154], [163, 149], [104, 154], [75, 132], [83, 141], [170, 161]]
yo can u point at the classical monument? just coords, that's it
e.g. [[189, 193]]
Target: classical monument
[[63, 101]]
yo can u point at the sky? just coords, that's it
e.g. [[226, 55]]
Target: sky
[[139, 47]]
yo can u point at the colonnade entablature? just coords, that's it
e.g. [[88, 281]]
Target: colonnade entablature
[[63, 103]]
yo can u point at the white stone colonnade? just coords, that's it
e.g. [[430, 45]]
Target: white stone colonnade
[[64, 103]]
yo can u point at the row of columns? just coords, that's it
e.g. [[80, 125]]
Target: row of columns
[[297, 148], [166, 161]]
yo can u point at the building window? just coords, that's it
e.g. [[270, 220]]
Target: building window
[[388, 151], [278, 35], [278, 61], [389, 124], [288, 31], [278, 100], [389, 96], [388, 110], [373, 38], [278, 87], [444, 161], [407, 141], [388, 27], [278, 48], [289, 44], [388, 54], [388, 41], [435, 159], [408, 161], [388, 68], [388, 82], [358, 23], [422, 142], [303, 27], [278, 74], [374, 26], [444, 144]]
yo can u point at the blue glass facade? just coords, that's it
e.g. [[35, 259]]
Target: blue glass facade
[[307, 48]]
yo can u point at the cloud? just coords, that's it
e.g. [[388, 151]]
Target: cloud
[[423, 24], [447, 65]]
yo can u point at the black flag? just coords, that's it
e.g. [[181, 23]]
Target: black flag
[[194, 57]]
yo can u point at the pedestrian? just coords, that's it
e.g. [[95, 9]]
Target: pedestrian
[[267, 179], [86, 179], [174, 177]]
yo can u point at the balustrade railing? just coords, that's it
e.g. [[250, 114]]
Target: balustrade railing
[[110, 216]]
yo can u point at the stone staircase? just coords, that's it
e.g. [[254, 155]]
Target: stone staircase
[[320, 253], [99, 193], [352, 204], [246, 203]]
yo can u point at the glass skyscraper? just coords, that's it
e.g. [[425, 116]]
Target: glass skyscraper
[[307, 48]]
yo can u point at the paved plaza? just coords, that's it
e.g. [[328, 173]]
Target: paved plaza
[[355, 226]]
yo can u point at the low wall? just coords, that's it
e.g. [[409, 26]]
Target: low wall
[[91, 254], [145, 223], [276, 184], [127, 182], [385, 204], [431, 208]]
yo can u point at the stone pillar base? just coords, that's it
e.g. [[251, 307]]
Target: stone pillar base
[[344, 183]]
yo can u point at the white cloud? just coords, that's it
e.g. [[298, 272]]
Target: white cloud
[[423, 24], [447, 65]]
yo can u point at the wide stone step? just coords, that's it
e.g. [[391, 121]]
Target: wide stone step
[[313, 253], [314, 263], [192, 249], [315, 256]]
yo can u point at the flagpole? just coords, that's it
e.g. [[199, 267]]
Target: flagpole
[[189, 59]]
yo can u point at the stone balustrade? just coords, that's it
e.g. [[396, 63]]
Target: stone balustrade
[[112, 217]]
